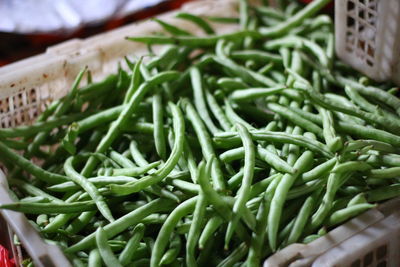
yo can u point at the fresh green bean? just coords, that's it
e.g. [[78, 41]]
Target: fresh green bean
[[346, 213], [274, 216], [229, 139], [196, 20], [160, 174], [88, 187], [167, 228], [105, 250], [132, 105], [51, 208], [244, 191], [159, 135], [195, 227], [127, 253]]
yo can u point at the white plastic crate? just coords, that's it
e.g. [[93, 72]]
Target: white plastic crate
[[368, 36], [371, 239], [26, 87]]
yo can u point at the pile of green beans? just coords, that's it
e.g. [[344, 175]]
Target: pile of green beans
[[218, 151]]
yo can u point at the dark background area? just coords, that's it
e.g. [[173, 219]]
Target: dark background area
[[14, 47]]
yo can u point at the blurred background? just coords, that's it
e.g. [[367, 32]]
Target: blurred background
[[28, 27]]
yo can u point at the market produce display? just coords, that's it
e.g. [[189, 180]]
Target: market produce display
[[218, 151]]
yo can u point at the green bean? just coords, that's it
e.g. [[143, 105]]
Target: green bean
[[372, 144], [318, 171], [283, 27], [230, 84], [31, 168], [236, 255], [359, 100], [98, 181], [391, 160], [135, 171], [160, 174], [305, 189], [228, 20], [133, 104], [229, 139], [94, 258], [217, 111], [216, 200], [293, 117], [195, 227], [193, 41], [296, 65], [299, 42], [105, 250], [80, 222], [325, 102], [383, 193], [15, 144], [279, 198], [186, 186], [196, 20], [386, 173], [260, 186], [137, 155], [347, 213], [159, 135], [171, 28], [167, 228], [206, 144], [270, 12], [64, 105], [170, 255], [121, 160], [99, 118], [248, 76], [357, 199], [88, 187], [333, 141], [258, 237], [122, 223], [26, 131], [334, 181], [256, 55], [301, 219], [264, 70], [40, 208], [351, 166], [244, 191], [254, 93], [30, 189], [35, 199], [127, 253], [233, 117], [61, 219], [369, 133], [212, 225], [98, 88], [199, 99], [374, 92]]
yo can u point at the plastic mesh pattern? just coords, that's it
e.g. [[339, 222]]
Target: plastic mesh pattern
[[376, 258], [367, 36], [361, 29]]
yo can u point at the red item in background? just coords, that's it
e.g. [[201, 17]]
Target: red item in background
[[5, 261]]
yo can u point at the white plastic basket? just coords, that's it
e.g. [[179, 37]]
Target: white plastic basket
[[368, 36], [26, 87], [371, 239]]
